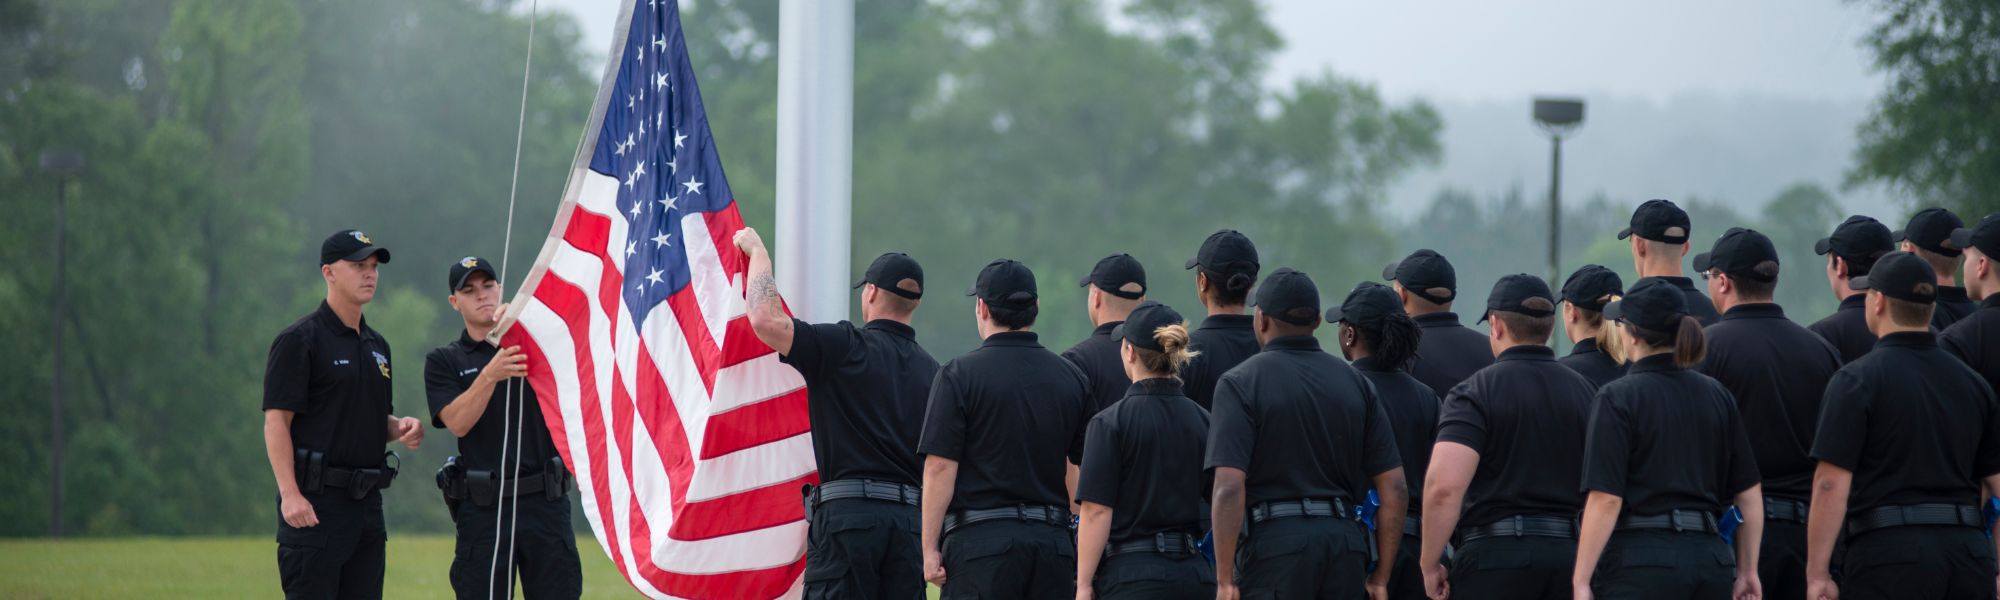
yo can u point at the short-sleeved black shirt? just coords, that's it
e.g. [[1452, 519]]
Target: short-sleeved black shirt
[[1013, 415], [1847, 329], [1975, 340], [1525, 415], [1413, 415], [1952, 305], [1097, 357], [1913, 425], [449, 370], [1300, 424], [1698, 303], [1223, 342], [1138, 459], [1593, 364], [1448, 352], [1777, 371], [335, 380], [1665, 438], [865, 392]]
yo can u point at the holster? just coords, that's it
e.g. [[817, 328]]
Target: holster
[[310, 468], [451, 483], [807, 491], [482, 487], [555, 479]]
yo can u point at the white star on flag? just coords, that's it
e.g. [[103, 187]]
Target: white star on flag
[[693, 186], [661, 240]]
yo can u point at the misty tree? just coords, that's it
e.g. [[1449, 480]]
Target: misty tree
[[1935, 134]]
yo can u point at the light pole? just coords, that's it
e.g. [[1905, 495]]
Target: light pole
[[64, 165], [1557, 117]]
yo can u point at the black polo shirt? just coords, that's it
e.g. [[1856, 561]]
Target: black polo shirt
[[449, 370], [1593, 364], [1223, 342], [1666, 438], [1097, 357], [1698, 303], [1777, 371], [1975, 340], [1525, 416], [1913, 425], [1300, 424], [1138, 460], [1413, 416], [1952, 305], [865, 392], [1012, 414], [336, 382], [1448, 352], [1847, 329]]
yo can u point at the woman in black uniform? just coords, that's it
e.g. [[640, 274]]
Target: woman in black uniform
[[1381, 339], [1599, 353], [1142, 481], [1665, 453]]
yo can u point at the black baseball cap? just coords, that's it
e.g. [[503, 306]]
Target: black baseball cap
[[1592, 286], [1289, 296], [1737, 254], [889, 270], [1652, 304], [1902, 276], [1367, 305], [1984, 235], [1149, 317], [1512, 293], [1659, 221], [1858, 239], [1423, 270], [1226, 251], [464, 268], [350, 244], [1115, 272], [1931, 229], [1005, 283]]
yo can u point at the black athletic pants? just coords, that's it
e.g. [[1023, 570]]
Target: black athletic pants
[[1149, 575], [1009, 559], [1514, 568], [1649, 564], [1781, 560], [1918, 563], [341, 557], [544, 551], [862, 548], [1304, 557]]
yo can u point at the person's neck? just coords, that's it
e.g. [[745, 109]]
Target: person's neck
[[1889, 329], [348, 312], [1417, 309], [1842, 292], [1987, 287], [1100, 317], [1222, 309], [1948, 279], [1658, 269], [1356, 352], [478, 332], [987, 330], [1506, 344], [1579, 333]]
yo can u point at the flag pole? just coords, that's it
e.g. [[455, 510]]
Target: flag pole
[[815, 156]]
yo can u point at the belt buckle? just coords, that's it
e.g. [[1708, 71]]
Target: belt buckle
[[1674, 521], [1160, 543], [1520, 526]]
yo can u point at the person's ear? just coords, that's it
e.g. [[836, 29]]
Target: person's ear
[[1684, 249], [1638, 246], [1495, 328], [1201, 282]]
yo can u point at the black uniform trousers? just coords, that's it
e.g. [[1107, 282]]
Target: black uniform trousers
[[544, 550], [1406, 582], [1918, 563], [1304, 557], [1663, 564], [341, 557], [863, 548], [1514, 568], [1147, 575], [1781, 560], [1009, 559]]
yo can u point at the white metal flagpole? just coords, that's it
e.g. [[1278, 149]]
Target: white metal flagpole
[[815, 156]]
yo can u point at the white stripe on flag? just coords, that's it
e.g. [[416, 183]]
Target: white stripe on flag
[[751, 468], [753, 381], [720, 298], [676, 366]]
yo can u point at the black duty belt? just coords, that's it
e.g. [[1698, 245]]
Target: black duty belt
[[315, 476], [485, 488], [1913, 514], [1281, 509], [1678, 521], [1033, 514], [1160, 543], [1413, 525], [862, 488], [1521, 526], [1780, 509]]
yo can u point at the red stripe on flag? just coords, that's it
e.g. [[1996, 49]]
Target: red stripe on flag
[[750, 510], [756, 424], [701, 345], [740, 343], [722, 226]]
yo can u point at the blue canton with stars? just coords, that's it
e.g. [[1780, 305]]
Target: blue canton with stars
[[656, 142]]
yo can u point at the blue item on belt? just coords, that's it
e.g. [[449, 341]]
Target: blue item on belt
[[1992, 514], [1367, 510], [1731, 519], [1207, 546]]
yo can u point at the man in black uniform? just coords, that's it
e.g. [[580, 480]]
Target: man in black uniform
[[1659, 234], [1929, 237], [1908, 440], [1449, 351], [1225, 268], [326, 417], [1380, 340], [1002, 435], [1777, 371], [1117, 285], [1296, 438], [1510, 443], [1850, 252], [865, 388], [469, 383], [1976, 338]]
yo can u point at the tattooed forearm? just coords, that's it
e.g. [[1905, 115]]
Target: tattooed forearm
[[763, 291]]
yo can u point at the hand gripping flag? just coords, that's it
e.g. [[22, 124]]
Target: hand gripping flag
[[688, 438]]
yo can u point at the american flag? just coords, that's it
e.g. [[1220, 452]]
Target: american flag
[[688, 438]]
